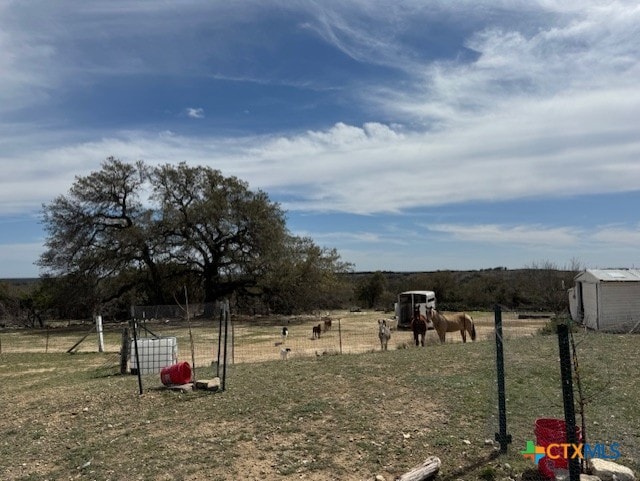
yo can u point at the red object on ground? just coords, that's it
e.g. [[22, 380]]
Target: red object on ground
[[553, 431], [545, 468], [179, 373]]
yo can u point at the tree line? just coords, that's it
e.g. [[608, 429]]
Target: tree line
[[540, 288]]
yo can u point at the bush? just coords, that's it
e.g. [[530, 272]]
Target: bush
[[551, 326]]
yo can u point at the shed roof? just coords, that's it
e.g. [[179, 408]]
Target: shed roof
[[427, 293], [610, 275]]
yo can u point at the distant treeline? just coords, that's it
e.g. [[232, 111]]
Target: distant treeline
[[531, 289], [28, 302]]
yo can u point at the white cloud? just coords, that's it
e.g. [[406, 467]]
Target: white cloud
[[558, 147], [345, 237], [24, 63], [613, 236], [195, 113], [617, 235], [548, 108], [499, 234], [570, 51], [517, 152]]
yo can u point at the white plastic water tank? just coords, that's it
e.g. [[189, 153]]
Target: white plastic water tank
[[154, 354]]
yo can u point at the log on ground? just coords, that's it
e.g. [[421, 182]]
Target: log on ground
[[427, 470]]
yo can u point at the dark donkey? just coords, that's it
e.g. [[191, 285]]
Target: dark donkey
[[317, 330], [418, 326]]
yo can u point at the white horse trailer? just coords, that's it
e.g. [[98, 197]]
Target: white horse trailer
[[408, 301]]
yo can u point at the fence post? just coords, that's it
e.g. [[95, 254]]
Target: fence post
[[221, 310], [340, 334], [226, 330], [135, 349], [99, 329], [567, 397], [124, 350], [502, 437]]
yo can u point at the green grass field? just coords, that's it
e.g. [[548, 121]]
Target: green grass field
[[333, 417]]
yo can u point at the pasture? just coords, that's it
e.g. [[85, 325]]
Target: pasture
[[312, 417], [257, 339]]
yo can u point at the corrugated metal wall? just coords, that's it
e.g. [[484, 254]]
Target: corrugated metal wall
[[619, 305], [590, 302]]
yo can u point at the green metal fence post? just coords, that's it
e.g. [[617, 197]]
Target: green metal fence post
[[567, 397], [502, 436]]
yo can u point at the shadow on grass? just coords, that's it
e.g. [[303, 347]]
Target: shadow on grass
[[532, 474], [470, 467]]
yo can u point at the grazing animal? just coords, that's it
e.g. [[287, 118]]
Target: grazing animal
[[456, 322], [419, 327], [392, 324], [327, 325], [284, 353], [317, 330], [285, 334], [384, 333]]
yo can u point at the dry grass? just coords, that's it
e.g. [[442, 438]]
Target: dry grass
[[255, 339], [342, 417]]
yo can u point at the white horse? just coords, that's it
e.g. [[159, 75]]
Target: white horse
[[384, 333]]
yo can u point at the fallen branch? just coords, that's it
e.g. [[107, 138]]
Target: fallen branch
[[428, 469]]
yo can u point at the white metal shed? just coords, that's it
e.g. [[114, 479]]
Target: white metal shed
[[606, 299]]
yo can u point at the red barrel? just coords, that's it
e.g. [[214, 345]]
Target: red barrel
[[553, 431], [546, 468], [179, 373]]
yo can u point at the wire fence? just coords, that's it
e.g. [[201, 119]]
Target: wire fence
[[592, 380], [253, 338]]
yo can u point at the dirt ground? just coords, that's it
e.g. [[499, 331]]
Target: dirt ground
[[259, 339], [351, 333]]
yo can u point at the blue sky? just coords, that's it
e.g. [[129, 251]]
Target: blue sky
[[409, 135]]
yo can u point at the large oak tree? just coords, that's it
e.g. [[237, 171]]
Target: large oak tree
[[215, 227], [130, 227]]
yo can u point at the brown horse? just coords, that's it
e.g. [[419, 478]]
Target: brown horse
[[419, 327], [456, 322]]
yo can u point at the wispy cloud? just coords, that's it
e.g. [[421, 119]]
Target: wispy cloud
[[541, 235], [195, 113], [353, 238], [618, 235], [379, 168], [547, 108], [500, 234]]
